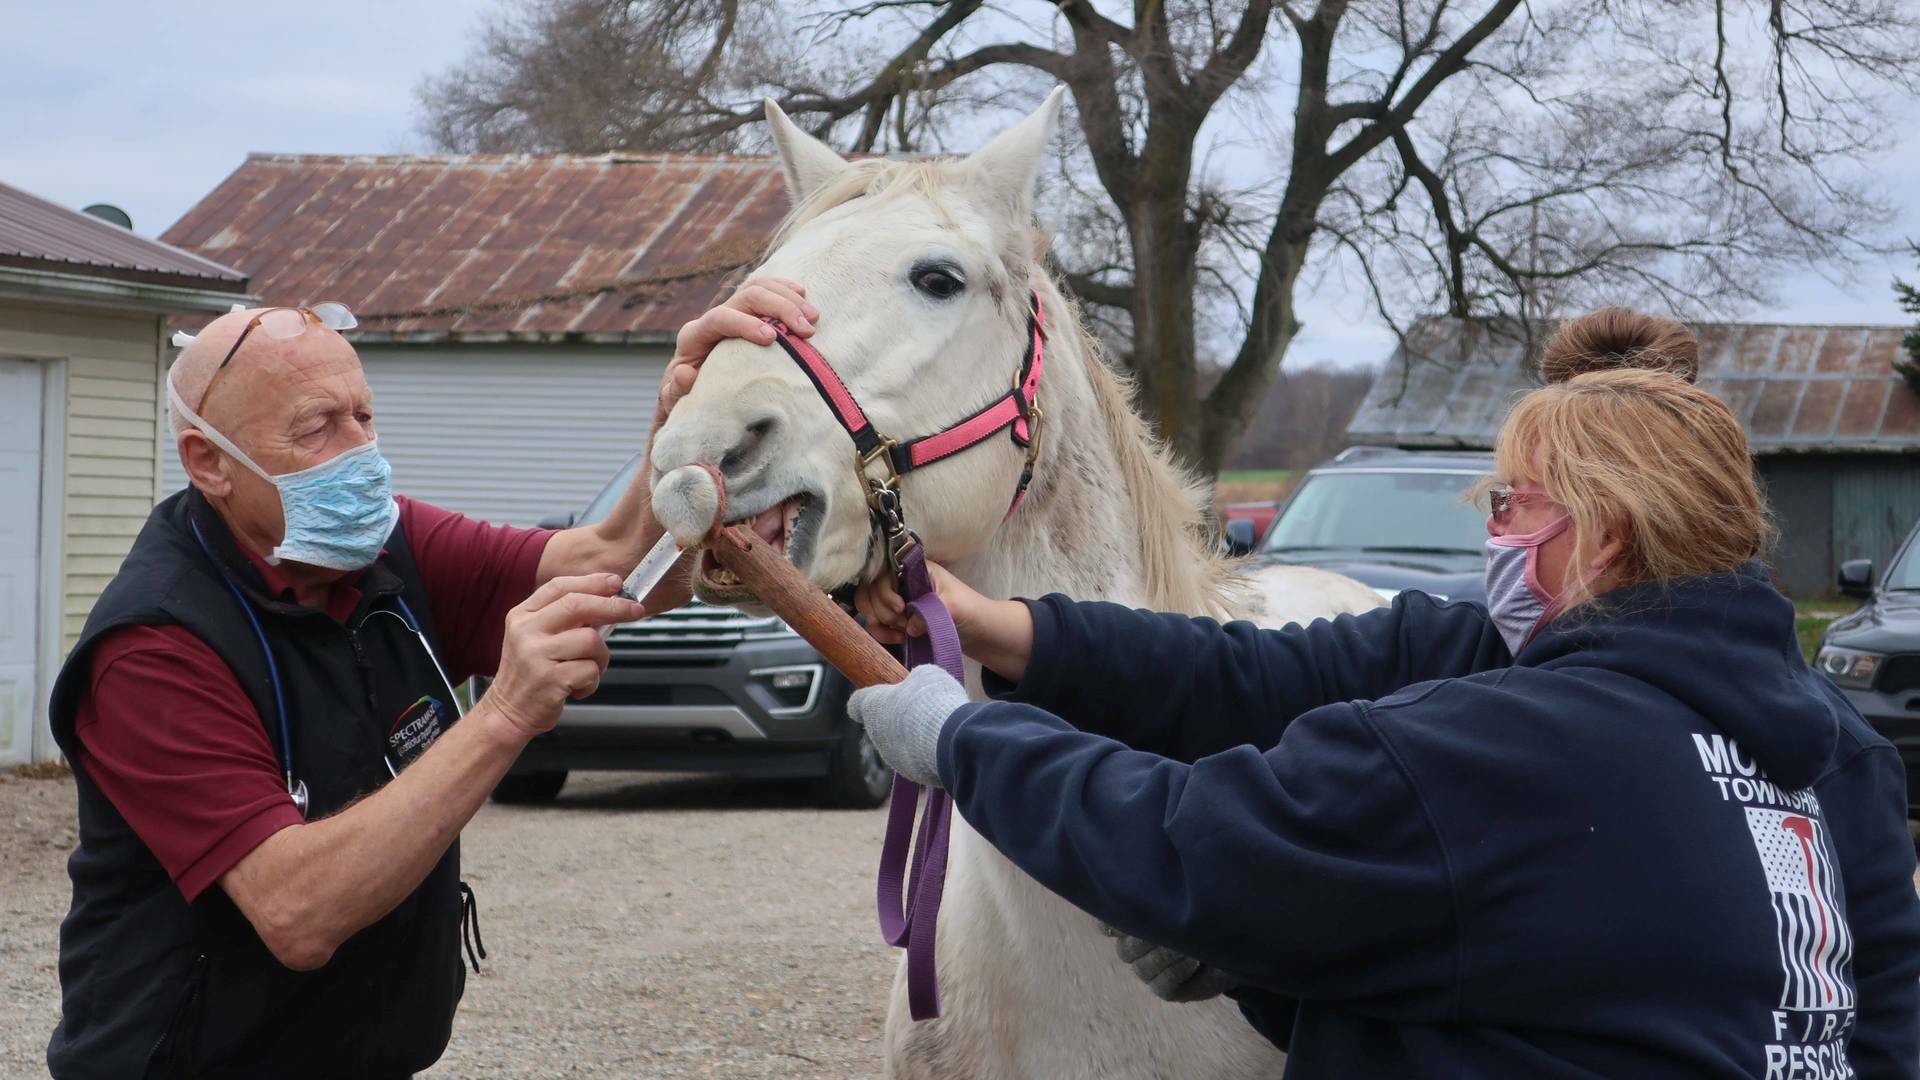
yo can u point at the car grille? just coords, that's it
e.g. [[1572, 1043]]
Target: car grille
[[696, 624], [655, 694], [1899, 674]]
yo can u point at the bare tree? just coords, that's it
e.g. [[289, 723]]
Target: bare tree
[[1480, 160]]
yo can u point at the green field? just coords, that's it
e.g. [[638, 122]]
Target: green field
[[1812, 616], [1256, 476]]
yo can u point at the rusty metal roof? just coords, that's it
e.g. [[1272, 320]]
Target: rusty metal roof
[[38, 235], [493, 247], [1797, 388]]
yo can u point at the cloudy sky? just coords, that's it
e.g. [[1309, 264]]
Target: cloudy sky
[[148, 106]]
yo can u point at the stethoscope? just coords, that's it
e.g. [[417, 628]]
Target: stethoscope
[[297, 788]]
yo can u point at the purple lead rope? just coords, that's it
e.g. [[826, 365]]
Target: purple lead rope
[[910, 905]]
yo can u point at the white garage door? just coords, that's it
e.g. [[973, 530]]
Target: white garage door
[[19, 555], [505, 434]]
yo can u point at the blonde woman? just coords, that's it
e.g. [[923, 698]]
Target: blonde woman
[[1608, 825]]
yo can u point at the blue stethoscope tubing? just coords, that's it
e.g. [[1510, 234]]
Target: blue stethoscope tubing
[[297, 789]]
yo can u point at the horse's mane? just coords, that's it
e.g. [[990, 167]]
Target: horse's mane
[[1182, 569]]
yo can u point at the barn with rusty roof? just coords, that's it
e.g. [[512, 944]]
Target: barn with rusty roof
[[516, 312], [1835, 430]]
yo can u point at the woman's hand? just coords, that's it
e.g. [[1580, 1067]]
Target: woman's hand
[[997, 633], [904, 720], [886, 610], [742, 316]]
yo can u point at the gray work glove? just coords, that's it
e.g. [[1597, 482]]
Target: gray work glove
[[1171, 976], [904, 720]]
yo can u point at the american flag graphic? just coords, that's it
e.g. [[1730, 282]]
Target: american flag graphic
[[1816, 949]]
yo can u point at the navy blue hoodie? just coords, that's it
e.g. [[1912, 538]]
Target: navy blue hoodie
[[1654, 845]]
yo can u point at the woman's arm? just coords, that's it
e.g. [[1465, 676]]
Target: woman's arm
[[1186, 687], [1310, 870]]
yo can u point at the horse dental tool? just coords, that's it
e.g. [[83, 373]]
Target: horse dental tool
[[691, 502], [653, 567]]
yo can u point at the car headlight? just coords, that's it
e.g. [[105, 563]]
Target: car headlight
[[1851, 668]]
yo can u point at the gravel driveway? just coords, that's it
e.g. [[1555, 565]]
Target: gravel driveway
[[642, 926]]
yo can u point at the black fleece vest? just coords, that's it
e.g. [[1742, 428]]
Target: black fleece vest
[[154, 986]]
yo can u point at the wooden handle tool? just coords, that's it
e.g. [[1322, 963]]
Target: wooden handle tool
[[812, 614]]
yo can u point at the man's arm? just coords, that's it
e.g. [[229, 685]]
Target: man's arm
[[308, 888], [616, 544]]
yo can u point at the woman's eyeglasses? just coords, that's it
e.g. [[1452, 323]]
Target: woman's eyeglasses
[[1502, 499]]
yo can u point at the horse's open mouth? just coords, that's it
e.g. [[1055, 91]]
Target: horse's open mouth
[[789, 525]]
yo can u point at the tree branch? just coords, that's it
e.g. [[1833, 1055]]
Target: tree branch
[[1093, 291], [1224, 68], [1451, 61]]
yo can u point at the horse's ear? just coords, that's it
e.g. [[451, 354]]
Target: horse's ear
[[1010, 165], [806, 162]]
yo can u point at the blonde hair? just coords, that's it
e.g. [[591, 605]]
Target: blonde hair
[[1622, 438]]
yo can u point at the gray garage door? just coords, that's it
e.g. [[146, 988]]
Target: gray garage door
[[508, 433]]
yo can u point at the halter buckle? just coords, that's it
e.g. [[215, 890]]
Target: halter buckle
[[882, 452], [883, 504], [1034, 416]]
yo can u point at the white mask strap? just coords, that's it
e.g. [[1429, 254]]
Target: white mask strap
[[204, 428]]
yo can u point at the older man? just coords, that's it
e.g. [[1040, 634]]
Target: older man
[[260, 715]]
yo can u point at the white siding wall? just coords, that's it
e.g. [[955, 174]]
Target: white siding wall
[[113, 364], [506, 433]]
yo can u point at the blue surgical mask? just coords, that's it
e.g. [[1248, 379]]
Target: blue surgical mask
[[338, 513]]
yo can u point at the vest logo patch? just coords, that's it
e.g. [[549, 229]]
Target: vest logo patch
[[416, 729]]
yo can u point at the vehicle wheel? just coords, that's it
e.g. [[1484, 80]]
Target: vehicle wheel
[[858, 778], [532, 787]]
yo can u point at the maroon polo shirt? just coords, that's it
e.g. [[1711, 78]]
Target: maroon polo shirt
[[178, 748]]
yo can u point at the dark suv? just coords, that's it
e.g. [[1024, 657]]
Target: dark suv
[[1873, 654], [1392, 519], [705, 689]]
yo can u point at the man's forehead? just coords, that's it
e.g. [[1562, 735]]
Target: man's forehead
[[270, 376]]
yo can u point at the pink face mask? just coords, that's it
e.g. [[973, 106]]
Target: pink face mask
[[1516, 600]]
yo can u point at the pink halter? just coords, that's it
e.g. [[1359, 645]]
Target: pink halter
[[1017, 410]]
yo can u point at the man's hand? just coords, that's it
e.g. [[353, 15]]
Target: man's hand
[[997, 633], [1171, 976], [742, 316], [553, 650]]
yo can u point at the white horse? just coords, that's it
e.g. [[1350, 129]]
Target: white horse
[[924, 272]]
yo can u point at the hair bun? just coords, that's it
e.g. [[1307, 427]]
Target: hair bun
[[1618, 338]]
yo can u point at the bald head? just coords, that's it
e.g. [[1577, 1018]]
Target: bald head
[[260, 373]]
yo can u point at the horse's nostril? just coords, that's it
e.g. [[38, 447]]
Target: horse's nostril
[[744, 454]]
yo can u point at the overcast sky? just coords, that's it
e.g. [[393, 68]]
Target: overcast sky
[[148, 106]]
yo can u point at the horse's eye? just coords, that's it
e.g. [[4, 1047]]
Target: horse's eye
[[937, 282]]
